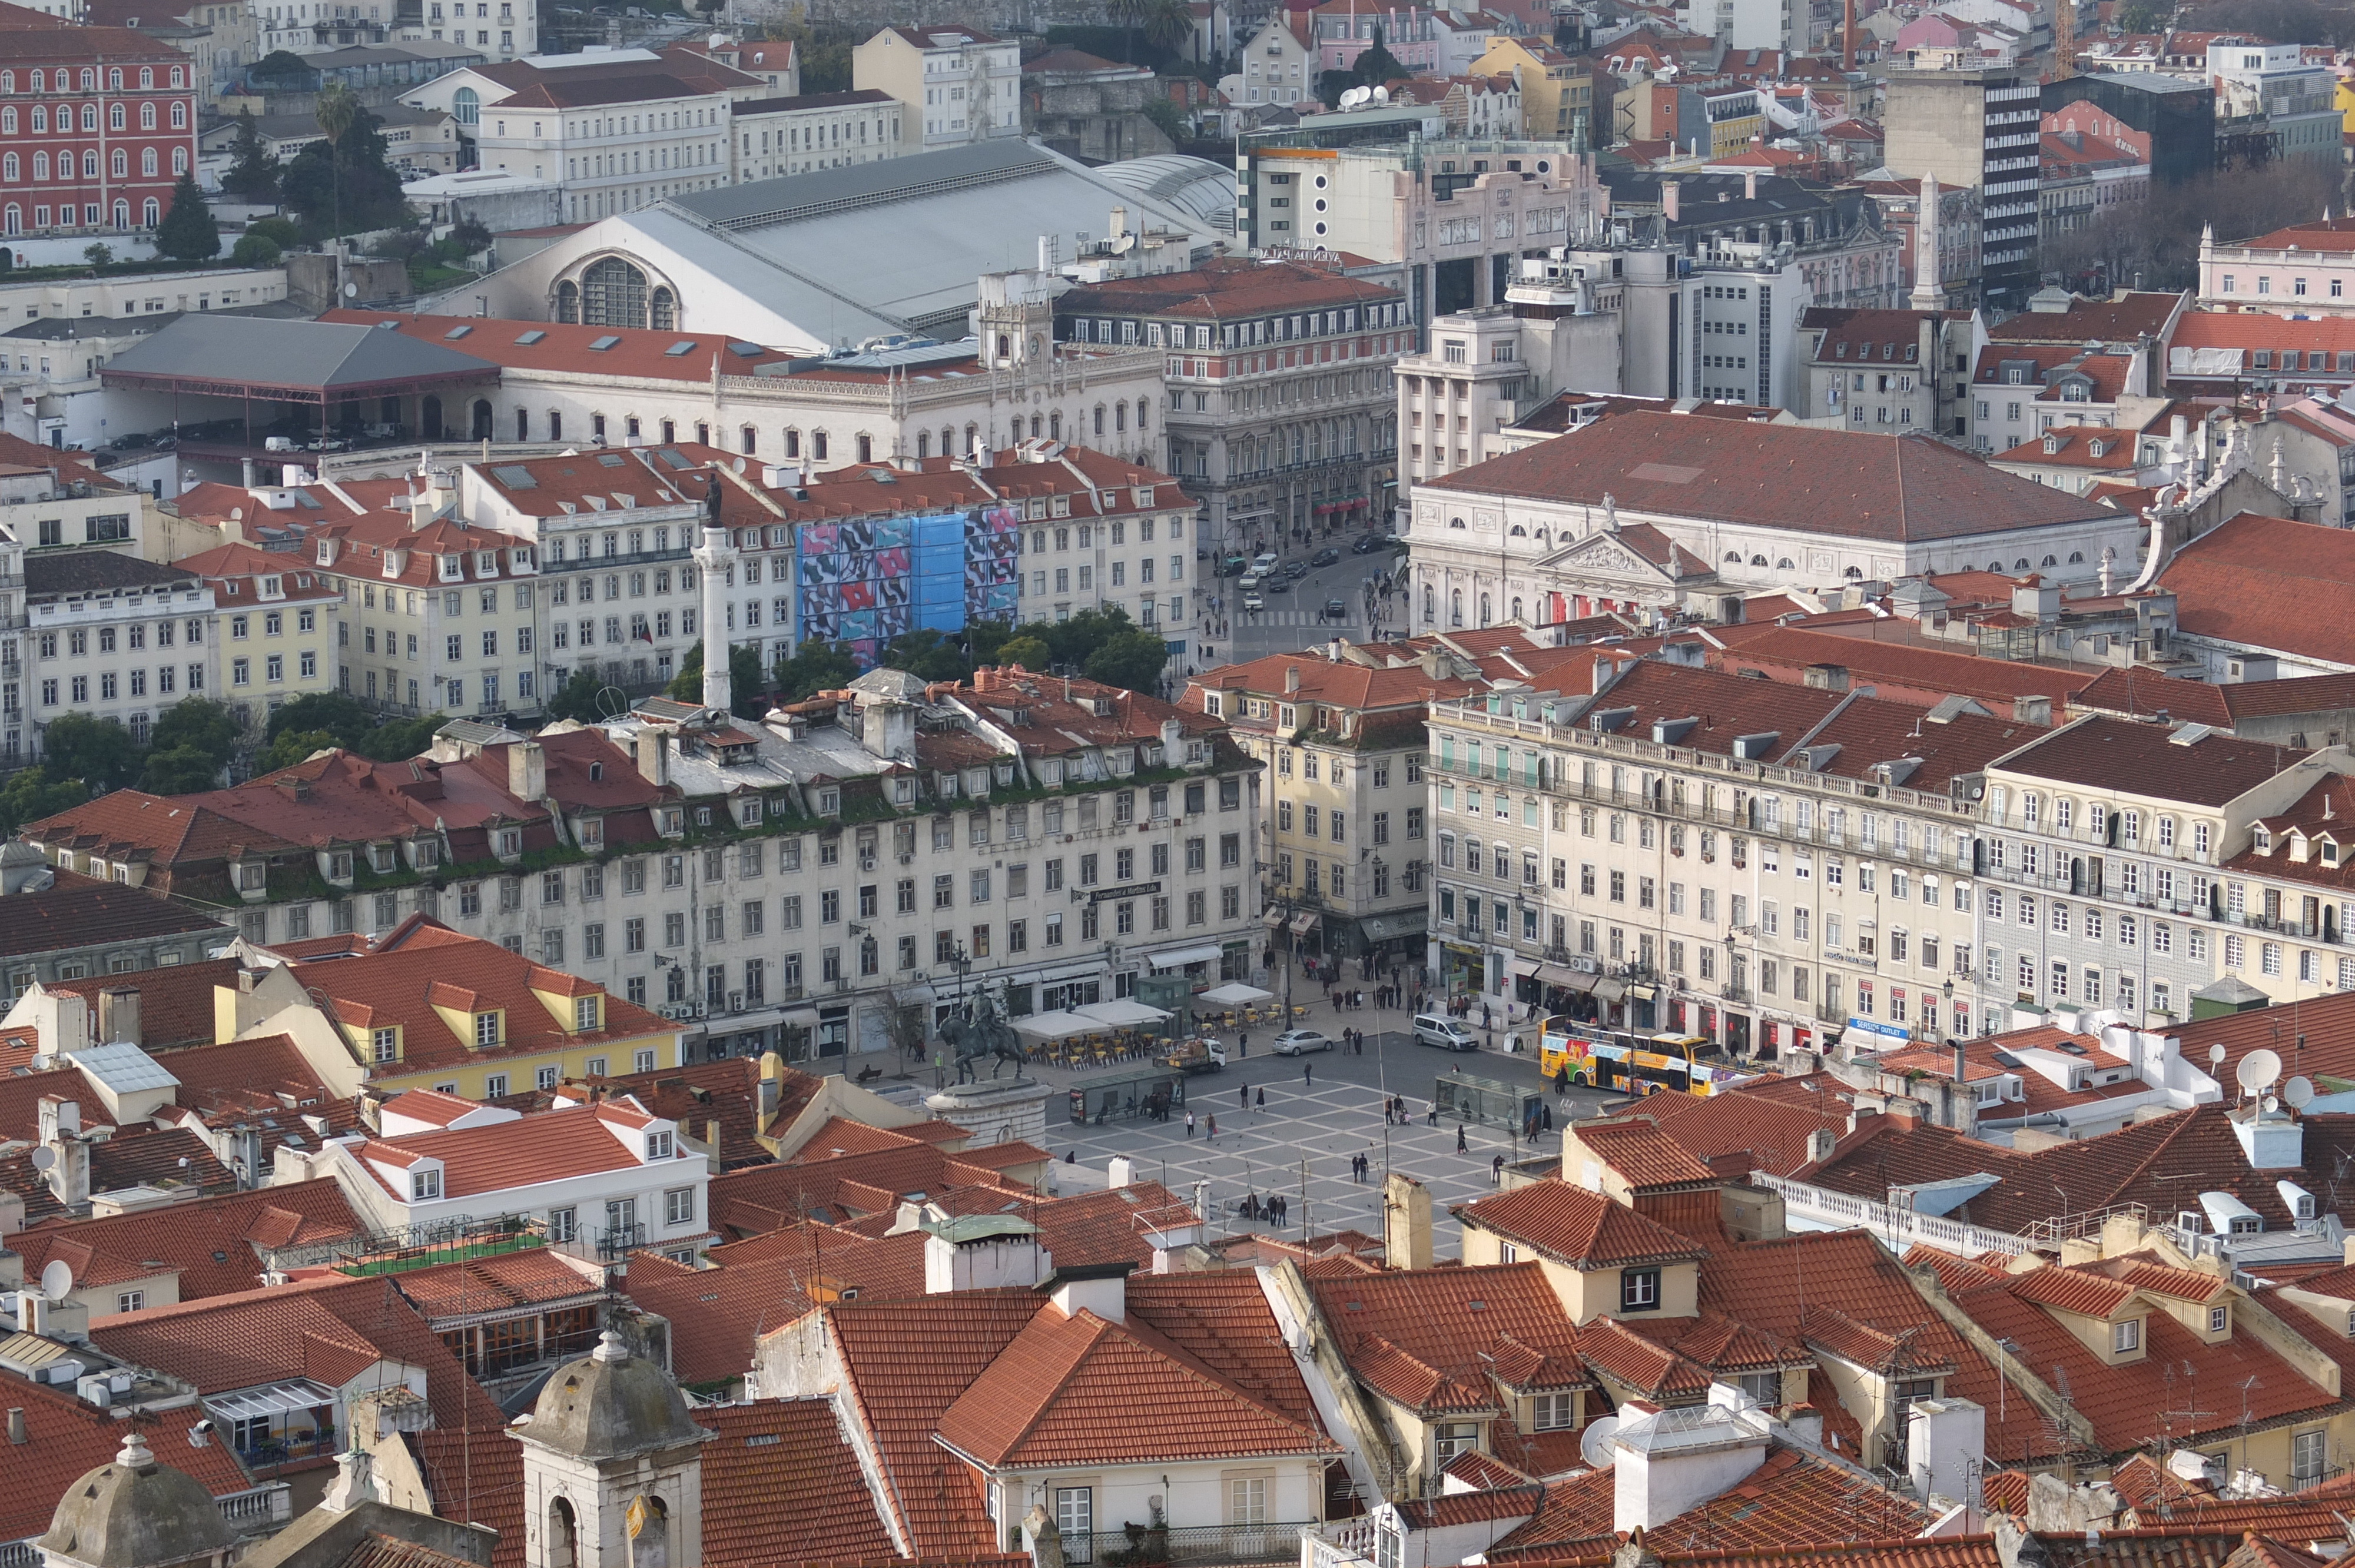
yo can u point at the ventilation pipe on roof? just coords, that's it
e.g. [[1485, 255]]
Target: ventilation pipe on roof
[[527, 770], [1406, 1222], [1098, 1288]]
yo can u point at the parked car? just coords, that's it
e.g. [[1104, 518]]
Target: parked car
[[1438, 1029], [1325, 557], [1294, 1042], [1233, 565]]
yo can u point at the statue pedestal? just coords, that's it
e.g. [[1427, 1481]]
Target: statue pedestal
[[1002, 1111]]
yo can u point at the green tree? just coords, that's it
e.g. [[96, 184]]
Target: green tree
[[344, 184], [470, 237], [33, 793], [1378, 65], [927, 654], [282, 66], [97, 255], [198, 722], [2145, 15], [983, 638], [252, 174], [1167, 118], [1032, 654], [188, 232], [279, 231], [99, 752], [815, 666], [1167, 23], [577, 698], [397, 740], [290, 747], [255, 251], [179, 770], [340, 716], [1133, 659]]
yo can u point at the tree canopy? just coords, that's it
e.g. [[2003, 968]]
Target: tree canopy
[[747, 688], [344, 184], [188, 232], [252, 174], [815, 666]]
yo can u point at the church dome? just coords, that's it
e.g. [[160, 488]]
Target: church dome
[[607, 1404], [136, 1513]]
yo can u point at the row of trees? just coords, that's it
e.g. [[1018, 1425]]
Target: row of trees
[[187, 749], [2154, 243]]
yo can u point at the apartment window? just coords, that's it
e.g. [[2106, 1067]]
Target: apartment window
[[424, 1185], [494, 1086], [132, 1301], [385, 1044], [1554, 1412], [679, 1206], [1639, 1289], [2126, 1335], [2306, 1455]]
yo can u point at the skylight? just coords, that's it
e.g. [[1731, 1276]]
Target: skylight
[[684, 345], [599, 345], [455, 333], [534, 335]]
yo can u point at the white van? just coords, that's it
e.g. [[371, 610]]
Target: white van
[[1264, 562]]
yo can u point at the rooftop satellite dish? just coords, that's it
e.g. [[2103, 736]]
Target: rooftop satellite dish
[[1594, 1443], [2298, 1093], [57, 1280], [44, 1158], [2258, 1071], [2216, 1053], [2272, 1104], [350, 290]]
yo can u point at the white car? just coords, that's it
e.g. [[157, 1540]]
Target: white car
[[1292, 1042], [1252, 601]]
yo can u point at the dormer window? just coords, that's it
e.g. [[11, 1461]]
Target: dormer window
[[2126, 1335], [424, 1185], [2264, 841], [2219, 1318], [486, 563], [658, 1146], [829, 802], [381, 857], [486, 1030], [327, 555], [2329, 852], [453, 569], [509, 840], [748, 812], [584, 1013]]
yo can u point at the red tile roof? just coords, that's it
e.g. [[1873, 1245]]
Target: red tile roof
[[2267, 582], [718, 1314], [1583, 1229], [212, 1242], [2120, 319], [1077, 1390], [535, 1276], [1637, 1361], [176, 1002], [1643, 1154], [552, 1146], [2102, 752], [782, 1486], [66, 1438], [1765, 1126], [1896, 488], [1222, 291], [1430, 1339], [132, 1157], [2145, 695]]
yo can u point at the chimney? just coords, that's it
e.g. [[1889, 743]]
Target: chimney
[[654, 758], [249, 473], [1098, 1288], [1750, 184], [772, 1075], [527, 770], [117, 1015], [1406, 1222], [1668, 200], [68, 1170], [984, 1252], [16, 1433], [1291, 679], [1945, 1445], [1819, 1144], [1122, 1172]]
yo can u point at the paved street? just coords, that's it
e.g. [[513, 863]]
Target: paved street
[[1302, 1142], [1292, 620]]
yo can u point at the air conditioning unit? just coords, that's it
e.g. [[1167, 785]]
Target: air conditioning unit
[[735, 1001], [909, 859], [867, 862]]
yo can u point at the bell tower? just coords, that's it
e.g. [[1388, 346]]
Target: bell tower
[[613, 1467]]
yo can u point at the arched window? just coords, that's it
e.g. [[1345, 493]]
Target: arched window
[[13, 219], [146, 76], [89, 163], [1456, 607], [38, 84], [40, 166], [2052, 561], [568, 302], [1430, 600], [7, 121], [1516, 609], [613, 293], [650, 1548], [151, 213], [180, 160], [1757, 560], [146, 117], [561, 1535], [481, 415], [1142, 404], [1120, 416], [2021, 565], [116, 118], [113, 79], [662, 306], [1100, 414], [8, 168], [121, 213], [8, 81], [179, 116], [1035, 425], [1732, 557], [1520, 532], [948, 441], [1995, 566], [466, 106], [178, 80], [923, 445], [1854, 574], [750, 439], [972, 433], [1783, 564], [122, 163], [89, 116], [1483, 609], [147, 162], [2077, 557]]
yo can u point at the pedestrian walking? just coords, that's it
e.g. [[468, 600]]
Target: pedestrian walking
[[1430, 1118], [1262, 1101], [1548, 1112], [1243, 1092], [1308, 1072], [1461, 1147], [1189, 1127], [1496, 1165], [1212, 1122]]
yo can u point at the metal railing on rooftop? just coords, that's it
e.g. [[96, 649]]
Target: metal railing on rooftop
[[1146, 1546]]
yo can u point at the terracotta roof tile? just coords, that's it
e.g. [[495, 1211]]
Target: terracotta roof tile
[[534, 1276], [1642, 1153], [718, 1314], [1580, 1228], [1434, 1330], [209, 1242], [176, 1002], [1077, 1390], [781, 1485], [1635, 1361], [2268, 582], [2073, 1290], [1882, 487], [65, 1439]]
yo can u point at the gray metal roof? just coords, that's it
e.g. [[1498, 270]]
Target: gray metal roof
[[125, 1067], [302, 354], [2149, 81], [1202, 188], [877, 247]]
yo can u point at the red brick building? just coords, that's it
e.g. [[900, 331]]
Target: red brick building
[[95, 125]]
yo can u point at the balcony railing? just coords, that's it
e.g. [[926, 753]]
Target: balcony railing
[[620, 1241], [1146, 1546], [263, 1507]]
